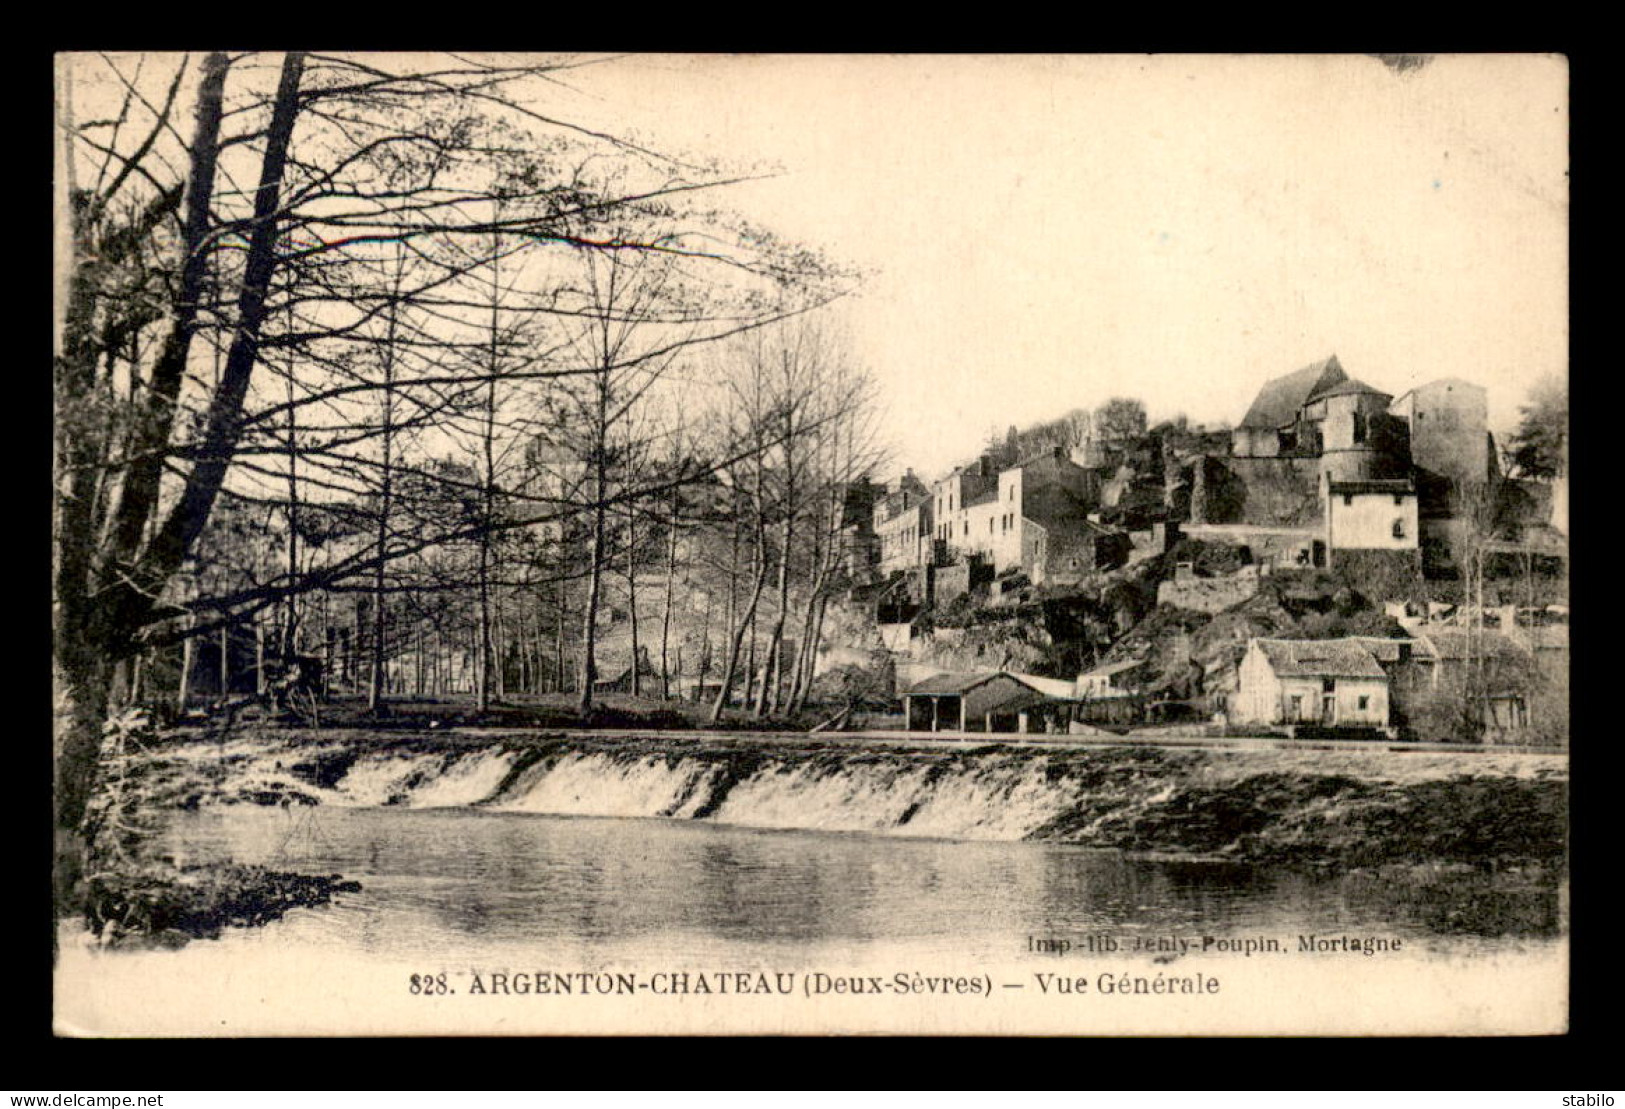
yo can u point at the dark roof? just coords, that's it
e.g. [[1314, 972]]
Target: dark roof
[[1465, 643], [951, 683], [1312, 658], [1278, 401], [957, 684], [1394, 486], [1385, 650], [1347, 386]]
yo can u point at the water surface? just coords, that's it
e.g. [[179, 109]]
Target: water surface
[[491, 886]]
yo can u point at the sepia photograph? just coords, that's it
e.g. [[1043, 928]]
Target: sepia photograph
[[673, 544]]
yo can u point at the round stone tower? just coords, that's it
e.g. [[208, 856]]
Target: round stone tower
[[1349, 415]]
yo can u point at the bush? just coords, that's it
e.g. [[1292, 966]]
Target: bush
[[199, 902]]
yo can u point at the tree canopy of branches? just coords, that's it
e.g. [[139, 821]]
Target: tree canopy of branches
[[1539, 447], [304, 285], [1120, 419]]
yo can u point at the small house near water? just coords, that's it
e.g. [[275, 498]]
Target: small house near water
[[1326, 682], [993, 701]]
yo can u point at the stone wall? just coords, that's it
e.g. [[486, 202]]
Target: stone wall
[[1265, 492], [952, 581], [1209, 595], [1285, 547]]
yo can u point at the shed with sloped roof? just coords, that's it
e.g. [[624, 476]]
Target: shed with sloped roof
[[988, 701]]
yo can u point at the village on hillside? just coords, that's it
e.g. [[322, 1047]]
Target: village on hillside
[[537, 536], [1341, 562]]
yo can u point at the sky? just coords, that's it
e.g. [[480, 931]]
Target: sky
[[1043, 233]]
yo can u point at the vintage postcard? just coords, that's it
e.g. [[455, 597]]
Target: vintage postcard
[[811, 544]]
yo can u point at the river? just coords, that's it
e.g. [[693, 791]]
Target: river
[[465, 891]]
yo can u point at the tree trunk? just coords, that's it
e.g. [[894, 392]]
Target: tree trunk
[[589, 621], [86, 639], [632, 595], [807, 656], [558, 640], [753, 675], [730, 667], [600, 516], [705, 650], [186, 672], [175, 539], [375, 691], [259, 657], [665, 617], [772, 685], [499, 651]]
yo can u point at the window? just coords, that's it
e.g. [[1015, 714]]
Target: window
[[1328, 685], [1297, 706], [967, 527], [1399, 499], [1359, 427], [1365, 703], [1012, 492], [990, 525], [1399, 528]]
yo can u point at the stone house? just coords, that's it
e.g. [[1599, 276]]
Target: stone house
[[903, 525], [1370, 515], [1273, 426], [1328, 682], [1035, 518], [973, 484]]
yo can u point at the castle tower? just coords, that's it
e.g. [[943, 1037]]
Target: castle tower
[[1347, 418]]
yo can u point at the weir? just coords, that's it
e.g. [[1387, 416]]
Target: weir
[[1319, 806]]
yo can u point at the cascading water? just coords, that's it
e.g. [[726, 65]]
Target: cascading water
[[425, 781], [1000, 802], [464, 780], [597, 784], [1298, 805], [998, 797], [865, 797]]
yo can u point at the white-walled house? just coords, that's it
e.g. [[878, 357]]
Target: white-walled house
[[1115, 679], [1310, 681], [1031, 516], [1371, 516]]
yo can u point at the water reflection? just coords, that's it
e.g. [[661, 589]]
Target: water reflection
[[440, 878]]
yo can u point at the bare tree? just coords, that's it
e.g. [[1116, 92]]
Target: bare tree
[[261, 235]]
